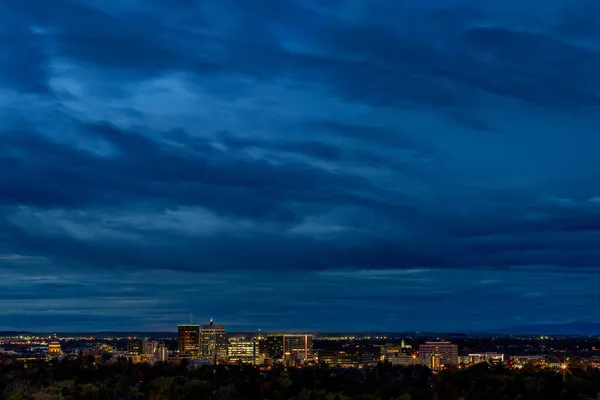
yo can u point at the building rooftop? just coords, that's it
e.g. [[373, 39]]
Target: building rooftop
[[437, 344], [212, 325]]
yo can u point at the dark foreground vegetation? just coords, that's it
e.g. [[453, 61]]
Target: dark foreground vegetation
[[83, 379]]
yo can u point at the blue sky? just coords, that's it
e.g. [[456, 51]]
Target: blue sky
[[299, 164]]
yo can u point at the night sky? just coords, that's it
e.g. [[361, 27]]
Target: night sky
[[363, 165]]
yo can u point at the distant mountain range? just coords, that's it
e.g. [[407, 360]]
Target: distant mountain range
[[15, 333], [570, 328], [94, 334]]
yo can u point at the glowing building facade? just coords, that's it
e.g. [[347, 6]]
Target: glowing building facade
[[284, 346], [135, 346], [54, 348], [437, 355], [213, 342], [188, 342], [244, 351]]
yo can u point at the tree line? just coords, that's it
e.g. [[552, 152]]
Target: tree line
[[86, 379]]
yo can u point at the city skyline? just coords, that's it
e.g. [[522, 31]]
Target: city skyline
[[555, 330], [359, 166]]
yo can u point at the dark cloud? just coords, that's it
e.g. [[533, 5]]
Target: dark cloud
[[84, 30], [52, 173], [326, 159], [22, 61], [532, 67]]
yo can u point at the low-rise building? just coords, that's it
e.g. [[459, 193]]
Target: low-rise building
[[243, 351], [54, 348], [350, 356], [493, 358], [403, 359]]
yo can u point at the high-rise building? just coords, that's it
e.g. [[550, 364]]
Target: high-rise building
[[282, 346], [136, 346], [213, 342], [243, 351], [273, 346], [298, 346], [261, 343], [437, 355], [188, 339]]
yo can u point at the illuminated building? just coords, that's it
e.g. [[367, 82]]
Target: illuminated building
[[493, 358], [403, 359], [351, 356], [396, 354], [273, 345], [135, 359], [150, 347], [162, 353], [213, 342], [188, 342], [136, 346], [142, 358], [369, 355], [297, 346], [261, 342], [435, 362], [436, 355], [391, 349], [338, 358], [282, 346], [244, 351], [54, 347], [530, 359], [105, 348]]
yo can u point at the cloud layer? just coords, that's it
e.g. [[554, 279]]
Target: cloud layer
[[290, 164]]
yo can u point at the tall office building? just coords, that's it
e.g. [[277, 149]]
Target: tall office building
[[213, 342], [281, 346], [297, 346], [273, 346], [135, 346], [437, 355], [188, 339]]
